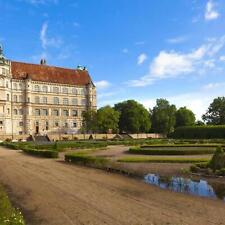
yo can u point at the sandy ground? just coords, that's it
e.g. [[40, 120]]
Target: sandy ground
[[166, 169], [51, 192]]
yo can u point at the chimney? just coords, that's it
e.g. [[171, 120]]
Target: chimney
[[43, 62]]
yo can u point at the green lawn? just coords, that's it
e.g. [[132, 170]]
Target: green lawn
[[8, 214]]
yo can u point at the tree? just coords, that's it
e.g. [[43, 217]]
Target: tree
[[90, 121], [199, 123], [184, 117], [215, 114], [134, 117], [108, 119], [163, 117]]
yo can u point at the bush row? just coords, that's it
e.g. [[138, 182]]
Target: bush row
[[161, 160], [83, 159], [41, 153], [199, 132], [170, 152]]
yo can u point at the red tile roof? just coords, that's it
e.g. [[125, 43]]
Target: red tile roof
[[50, 74]]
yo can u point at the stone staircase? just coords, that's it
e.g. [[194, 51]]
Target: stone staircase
[[41, 138]]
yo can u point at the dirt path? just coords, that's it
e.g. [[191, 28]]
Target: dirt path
[[55, 193]]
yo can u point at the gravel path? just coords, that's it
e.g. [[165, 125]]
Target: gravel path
[[51, 192]]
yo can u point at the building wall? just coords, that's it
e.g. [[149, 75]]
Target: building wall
[[28, 107]]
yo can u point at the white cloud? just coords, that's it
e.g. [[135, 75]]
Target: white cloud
[[103, 84], [210, 11], [198, 101], [169, 64], [141, 58], [46, 41], [177, 40]]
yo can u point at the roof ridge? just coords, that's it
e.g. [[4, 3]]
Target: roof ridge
[[46, 65]]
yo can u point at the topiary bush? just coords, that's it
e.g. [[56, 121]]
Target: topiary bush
[[218, 160]]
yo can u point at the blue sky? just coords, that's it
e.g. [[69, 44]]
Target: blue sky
[[134, 49]]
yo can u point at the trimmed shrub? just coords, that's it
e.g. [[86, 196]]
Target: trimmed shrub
[[160, 160], [218, 160], [83, 159], [41, 153], [199, 132], [170, 151]]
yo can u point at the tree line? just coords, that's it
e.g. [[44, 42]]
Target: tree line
[[132, 117]]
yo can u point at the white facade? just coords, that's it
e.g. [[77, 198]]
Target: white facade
[[29, 107]]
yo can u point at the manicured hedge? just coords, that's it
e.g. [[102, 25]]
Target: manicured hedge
[[86, 160], [41, 153], [171, 151], [199, 132], [160, 160]]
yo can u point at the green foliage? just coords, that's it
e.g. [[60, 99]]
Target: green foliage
[[86, 160], [199, 123], [220, 172], [199, 132], [107, 119], [215, 114], [134, 118], [160, 160], [90, 121], [218, 160], [41, 153], [171, 151], [163, 117], [184, 117], [8, 214]]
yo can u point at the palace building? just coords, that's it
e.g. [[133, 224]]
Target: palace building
[[43, 99]]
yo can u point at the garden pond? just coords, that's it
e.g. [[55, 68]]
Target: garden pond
[[194, 187]]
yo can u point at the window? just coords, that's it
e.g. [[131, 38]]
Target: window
[[15, 86], [21, 111], [37, 112], [1, 123], [37, 99], [56, 124], [65, 112], [74, 113], [7, 97], [7, 84], [45, 100], [8, 111], [44, 112], [55, 112], [20, 98], [74, 91], [74, 101], [55, 89], [82, 92], [65, 90], [45, 89], [15, 99], [74, 124], [46, 125], [15, 111], [83, 101], [65, 101], [56, 100], [65, 124], [21, 124], [28, 99], [36, 88]]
